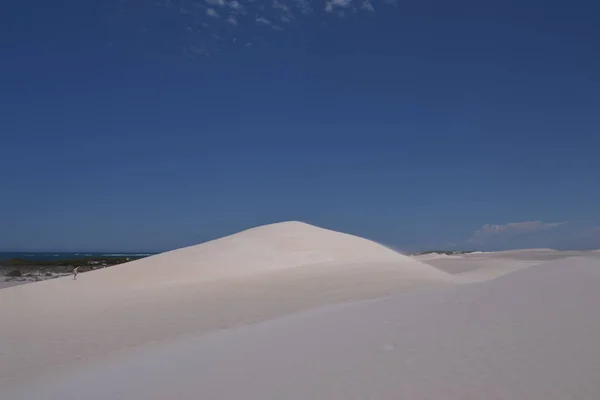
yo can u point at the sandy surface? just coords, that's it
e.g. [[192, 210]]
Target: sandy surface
[[489, 265], [253, 276], [290, 311]]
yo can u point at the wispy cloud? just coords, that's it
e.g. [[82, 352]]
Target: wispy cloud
[[220, 3], [211, 12], [235, 5], [263, 21], [197, 51], [493, 234], [366, 5], [333, 4], [304, 6], [515, 228], [261, 12], [280, 6], [204, 19]]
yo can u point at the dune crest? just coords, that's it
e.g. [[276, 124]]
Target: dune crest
[[264, 249]]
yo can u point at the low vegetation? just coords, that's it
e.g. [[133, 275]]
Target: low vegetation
[[13, 273], [74, 262], [17, 268], [446, 252]]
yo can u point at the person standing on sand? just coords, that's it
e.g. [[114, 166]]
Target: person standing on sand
[[75, 272]]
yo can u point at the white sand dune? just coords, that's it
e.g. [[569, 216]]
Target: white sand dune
[[266, 248], [259, 274], [214, 321], [481, 266], [533, 334]]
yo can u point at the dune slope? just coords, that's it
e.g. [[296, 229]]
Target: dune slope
[[530, 335], [252, 276]]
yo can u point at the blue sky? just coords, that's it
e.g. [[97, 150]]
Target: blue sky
[[149, 125]]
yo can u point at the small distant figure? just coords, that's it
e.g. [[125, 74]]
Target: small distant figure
[[75, 272]]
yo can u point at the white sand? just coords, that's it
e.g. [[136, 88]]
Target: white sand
[[480, 266], [144, 331], [259, 274], [531, 335]]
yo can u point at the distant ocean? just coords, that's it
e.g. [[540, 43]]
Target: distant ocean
[[49, 256]]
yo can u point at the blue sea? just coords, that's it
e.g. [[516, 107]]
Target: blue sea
[[49, 256]]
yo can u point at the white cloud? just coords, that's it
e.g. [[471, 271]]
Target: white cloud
[[493, 232], [508, 235], [366, 5], [280, 6], [516, 227], [272, 14], [263, 21], [286, 12], [220, 3], [304, 6], [236, 5], [212, 13], [341, 3], [333, 4], [197, 51]]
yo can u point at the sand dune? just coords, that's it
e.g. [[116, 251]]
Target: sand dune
[[481, 266], [291, 311], [252, 276], [529, 335], [266, 248]]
